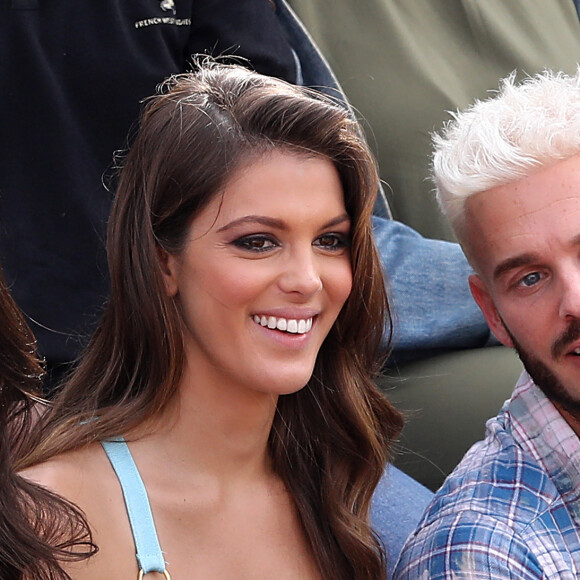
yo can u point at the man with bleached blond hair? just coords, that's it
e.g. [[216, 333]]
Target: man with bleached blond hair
[[507, 173]]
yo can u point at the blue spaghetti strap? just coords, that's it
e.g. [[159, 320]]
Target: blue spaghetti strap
[[149, 554]]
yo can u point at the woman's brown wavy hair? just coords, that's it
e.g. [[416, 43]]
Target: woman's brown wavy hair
[[38, 530], [329, 442]]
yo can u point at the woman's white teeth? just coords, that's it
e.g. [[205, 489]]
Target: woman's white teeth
[[291, 325]]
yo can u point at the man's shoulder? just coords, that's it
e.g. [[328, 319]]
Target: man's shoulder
[[499, 478], [468, 544], [494, 506]]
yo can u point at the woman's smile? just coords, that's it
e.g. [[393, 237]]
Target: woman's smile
[[290, 325]]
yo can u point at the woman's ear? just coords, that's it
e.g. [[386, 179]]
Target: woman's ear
[[169, 265], [483, 298]]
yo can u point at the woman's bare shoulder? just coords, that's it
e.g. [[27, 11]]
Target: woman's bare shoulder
[[72, 474], [86, 478]]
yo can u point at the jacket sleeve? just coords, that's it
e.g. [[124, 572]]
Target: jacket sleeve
[[432, 305]]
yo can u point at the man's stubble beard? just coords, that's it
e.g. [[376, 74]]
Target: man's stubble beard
[[544, 377]]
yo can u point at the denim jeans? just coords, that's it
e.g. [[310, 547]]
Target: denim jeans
[[433, 309], [398, 504]]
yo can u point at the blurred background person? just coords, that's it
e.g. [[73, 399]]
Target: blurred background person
[[405, 65]]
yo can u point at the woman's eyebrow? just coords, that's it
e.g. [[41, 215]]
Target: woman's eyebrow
[[278, 223], [337, 221], [259, 219]]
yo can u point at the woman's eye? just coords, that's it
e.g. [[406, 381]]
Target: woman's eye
[[530, 279], [255, 243], [332, 241]]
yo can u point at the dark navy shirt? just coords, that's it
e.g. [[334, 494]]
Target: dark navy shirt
[[72, 75]]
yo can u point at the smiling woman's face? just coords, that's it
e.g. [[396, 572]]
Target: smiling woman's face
[[264, 273]]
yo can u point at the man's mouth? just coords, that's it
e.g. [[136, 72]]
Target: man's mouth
[[563, 345], [291, 325]]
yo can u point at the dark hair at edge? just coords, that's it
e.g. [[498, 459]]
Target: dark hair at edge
[[38, 530], [330, 441]]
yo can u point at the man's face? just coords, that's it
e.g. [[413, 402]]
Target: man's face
[[524, 242]]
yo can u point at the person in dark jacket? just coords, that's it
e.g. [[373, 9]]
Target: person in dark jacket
[[73, 77]]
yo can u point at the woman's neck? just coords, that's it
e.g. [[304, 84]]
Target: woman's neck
[[216, 428]]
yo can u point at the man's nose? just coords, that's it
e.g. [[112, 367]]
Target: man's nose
[[570, 300]]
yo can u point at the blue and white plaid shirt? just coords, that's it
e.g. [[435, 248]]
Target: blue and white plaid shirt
[[511, 508]]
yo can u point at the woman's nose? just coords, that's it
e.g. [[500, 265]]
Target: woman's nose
[[301, 274]]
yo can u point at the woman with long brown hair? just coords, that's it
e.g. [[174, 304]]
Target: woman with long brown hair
[[223, 421], [38, 530]]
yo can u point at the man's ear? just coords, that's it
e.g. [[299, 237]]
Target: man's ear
[[169, 265], [481, 295]]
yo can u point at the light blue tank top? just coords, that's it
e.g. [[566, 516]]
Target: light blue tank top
[[149, 554]]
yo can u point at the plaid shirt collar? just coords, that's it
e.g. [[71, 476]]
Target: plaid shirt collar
[[540, 429]]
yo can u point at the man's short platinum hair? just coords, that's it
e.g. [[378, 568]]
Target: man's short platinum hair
[[503, 139]]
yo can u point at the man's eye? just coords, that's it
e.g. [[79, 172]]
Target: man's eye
[[332, 241], [530, 279], [255, 243]]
